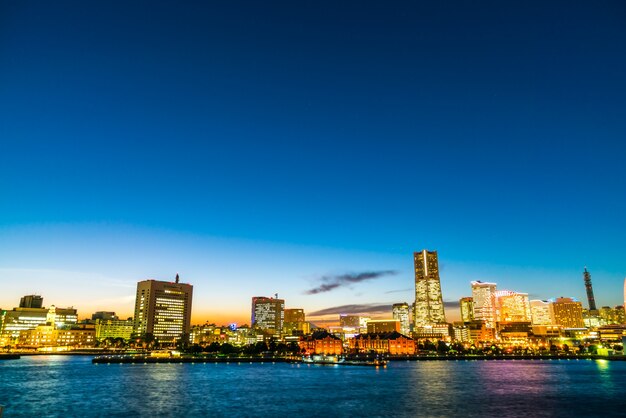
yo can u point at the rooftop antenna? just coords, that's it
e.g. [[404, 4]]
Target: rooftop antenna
[[177, 278]]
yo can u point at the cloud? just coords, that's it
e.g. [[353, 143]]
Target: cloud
[[369, 308], [451, 304], [333, 282], [408, 289]]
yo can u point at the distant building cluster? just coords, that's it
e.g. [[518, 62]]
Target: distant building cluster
[[162, 317]]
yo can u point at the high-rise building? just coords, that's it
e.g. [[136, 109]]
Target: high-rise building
[[31, 301], [467, 309], [541, 313], [400, 312], [428, 300], [268, 314], [163, 309], [295, 322], [483, 295], [590, 299], [512, 306], [568, 313]]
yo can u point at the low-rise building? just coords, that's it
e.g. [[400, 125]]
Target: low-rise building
[[392, 343], [321, 342]]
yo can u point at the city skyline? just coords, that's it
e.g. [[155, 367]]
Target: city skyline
[[288, 149]]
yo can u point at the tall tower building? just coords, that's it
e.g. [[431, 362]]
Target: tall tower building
[[268, 314], [163, 309], [400, 312], [589, 288], [428, 300], [484, 302], [467, 309]]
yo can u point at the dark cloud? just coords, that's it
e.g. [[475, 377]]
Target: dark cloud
[[369, 308], [451, 304], [329, 283]]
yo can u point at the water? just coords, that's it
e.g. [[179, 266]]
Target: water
[[66, 386]]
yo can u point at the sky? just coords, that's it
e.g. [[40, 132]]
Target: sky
[[258, 148]]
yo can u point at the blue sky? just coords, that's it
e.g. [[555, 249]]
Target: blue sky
[[256, 147]]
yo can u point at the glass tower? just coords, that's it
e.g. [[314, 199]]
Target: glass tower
[[428, 300]]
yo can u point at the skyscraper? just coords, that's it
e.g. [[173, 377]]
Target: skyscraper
[[589, 288], [428, 300], [484, 302], [163, 309], [268, 314], [400, 312], [467, 309]]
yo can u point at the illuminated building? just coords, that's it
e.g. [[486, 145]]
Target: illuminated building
[[321, 342], [512, 306], [392, 343], [568, 313], [400, 312], [295, 323], [114, 328], [349, 321], [50, 336], [479, 332], [31, 301], [163, 309], [428, 300], [383, 325], [268, 314], [461, 332], [22, 319], [612, 316], [435, 331], [483, 295], [467, 309], [541, 312]]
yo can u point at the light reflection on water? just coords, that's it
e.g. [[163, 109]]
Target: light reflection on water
[[66, 386]]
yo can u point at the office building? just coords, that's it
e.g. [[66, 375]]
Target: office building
[[163, 309], [428, 299], [114, 328], [467, 309], [484, 298], [512, 306], [349, 321], [541, 313], [568, 313], [295, 322], [268, 314], [376, 326], [104, 316], [400, 312], [31, 301]]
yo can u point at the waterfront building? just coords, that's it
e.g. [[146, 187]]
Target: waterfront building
[[435, 331], [467, 309], [392, 343], [461, 332], [483, 295], [268, 315], [512, 306], [568, 313], [321, 342], [295, 322], [31, 301], [383, 325], [400, 312], [163, 309], [49, 336], [429, 308], [22, 319], [541, 312], [480, 333], [114, 328], [613, 332]]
